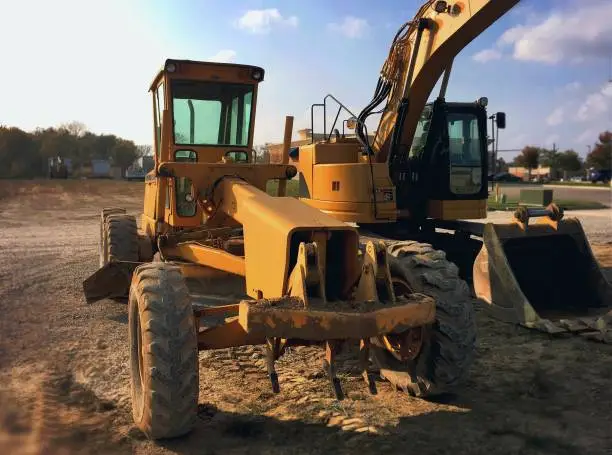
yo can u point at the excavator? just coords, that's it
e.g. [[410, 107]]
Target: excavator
[[423, 177]]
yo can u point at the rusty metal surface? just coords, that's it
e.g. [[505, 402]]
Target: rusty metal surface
[[543, 276], [227, 335], [287, 318]]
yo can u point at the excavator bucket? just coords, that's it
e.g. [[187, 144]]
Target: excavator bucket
[[544, 276]]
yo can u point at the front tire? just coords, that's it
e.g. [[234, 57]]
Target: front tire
[[163, 352], [447, 351]]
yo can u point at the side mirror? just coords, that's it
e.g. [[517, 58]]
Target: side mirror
[[500, 119]]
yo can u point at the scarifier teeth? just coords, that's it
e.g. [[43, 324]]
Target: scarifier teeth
[[364, 355], [370, 380], [274, 381], [329, 365], [337, 387], [273, 349]]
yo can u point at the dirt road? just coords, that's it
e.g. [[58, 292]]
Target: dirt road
[[64, 373]]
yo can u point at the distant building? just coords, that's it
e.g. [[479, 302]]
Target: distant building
[[541, 172], [140, 167]]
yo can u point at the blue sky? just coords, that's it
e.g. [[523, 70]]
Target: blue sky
[[546, 63]]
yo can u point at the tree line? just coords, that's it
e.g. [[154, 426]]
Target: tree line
[[25, 154], [600, 157]]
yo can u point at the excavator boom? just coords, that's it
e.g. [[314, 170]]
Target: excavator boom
[[422, 50]]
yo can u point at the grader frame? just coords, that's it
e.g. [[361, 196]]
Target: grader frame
[[303, 277]]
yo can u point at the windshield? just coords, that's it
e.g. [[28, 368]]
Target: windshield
[[211, 113], [464, 139], [421, 132]]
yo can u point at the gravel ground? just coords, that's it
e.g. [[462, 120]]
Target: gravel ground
[[64, 373]]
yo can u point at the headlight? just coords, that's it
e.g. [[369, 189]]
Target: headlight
[[483, 101], [257, 74], [291, 172], [440, 6], [171, 67]]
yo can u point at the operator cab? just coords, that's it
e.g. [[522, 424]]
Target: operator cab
[[211, 110], [448, 157], [203, 112]]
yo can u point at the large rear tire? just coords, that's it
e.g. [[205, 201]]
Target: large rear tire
[[447, 349], [163, 352]]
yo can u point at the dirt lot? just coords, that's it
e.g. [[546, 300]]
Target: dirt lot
[[64, 374]]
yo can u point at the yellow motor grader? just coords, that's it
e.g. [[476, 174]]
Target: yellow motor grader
[[424, 177], [217, 262]]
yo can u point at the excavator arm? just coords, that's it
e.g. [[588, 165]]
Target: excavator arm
[[421, 51]]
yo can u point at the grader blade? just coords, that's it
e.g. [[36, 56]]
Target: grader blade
[[544, 276], [112, 281]]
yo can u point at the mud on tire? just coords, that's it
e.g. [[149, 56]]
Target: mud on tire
[[448, 351], [163, 352]]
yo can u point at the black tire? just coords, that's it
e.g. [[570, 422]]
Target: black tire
[[163, 352], [102, 244], [448, 350], [121, 238]]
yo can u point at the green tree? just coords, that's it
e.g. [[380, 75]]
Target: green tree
[[123, 154], [601, 155], [549, 157], [18, 154], [26, 154], [529, 158], [502, 166], [569, 161]]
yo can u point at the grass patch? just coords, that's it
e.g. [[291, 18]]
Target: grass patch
[[566, 204], [587, 184]]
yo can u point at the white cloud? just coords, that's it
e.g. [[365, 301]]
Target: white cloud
[[223, 56], [555, 117], [260, 21], [487, 55], [572, 86], [582, 31], [351, 27], [595, 104], [586, 136]]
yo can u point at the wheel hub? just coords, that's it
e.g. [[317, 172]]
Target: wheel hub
[[406, 345]]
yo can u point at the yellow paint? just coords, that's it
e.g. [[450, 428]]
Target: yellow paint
[[456, 210]]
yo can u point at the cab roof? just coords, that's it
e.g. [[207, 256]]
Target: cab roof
[[199, 62]]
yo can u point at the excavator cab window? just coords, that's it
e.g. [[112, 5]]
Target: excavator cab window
[[465, 153], [421, 133], [446, 158]]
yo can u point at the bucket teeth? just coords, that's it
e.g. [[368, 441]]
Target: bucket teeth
[[329, 365]]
